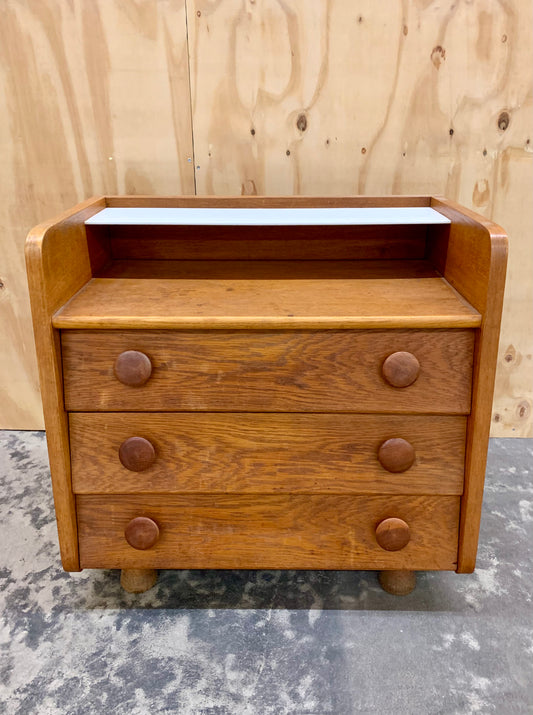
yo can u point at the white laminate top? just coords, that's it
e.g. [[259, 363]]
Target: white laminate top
[[268, 217]]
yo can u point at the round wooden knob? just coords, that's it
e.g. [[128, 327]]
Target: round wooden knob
[[133, 368], [401, 369], [396, 455], [136, 454], [392, 534], [141, 533]]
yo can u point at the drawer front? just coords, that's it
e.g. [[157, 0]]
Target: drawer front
[[266, 453], [275, 532], [270, 371]]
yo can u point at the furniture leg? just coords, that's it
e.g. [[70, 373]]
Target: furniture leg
[[399, 583], [137, 580]]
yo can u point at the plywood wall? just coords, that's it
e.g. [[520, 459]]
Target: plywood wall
[[95, 99], [267, 97]]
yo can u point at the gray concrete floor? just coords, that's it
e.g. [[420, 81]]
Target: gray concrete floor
[[264, 642]]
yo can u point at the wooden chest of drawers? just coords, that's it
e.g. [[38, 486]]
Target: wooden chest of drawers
[[267, 382]]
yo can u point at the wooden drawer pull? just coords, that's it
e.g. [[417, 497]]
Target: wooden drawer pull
[[396, 455], [133, 368], [401, 369], [136, 454], [141, 533], [393, 534]]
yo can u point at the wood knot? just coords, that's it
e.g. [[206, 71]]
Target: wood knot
[[481, 193], [248, 188], [503, 121], [301, 122], [510, 354], [438, 55], [523, 410]]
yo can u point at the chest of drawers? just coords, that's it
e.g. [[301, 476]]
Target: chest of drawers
[[267, 382]]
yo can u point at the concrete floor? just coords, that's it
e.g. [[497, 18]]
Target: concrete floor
[[264, 642]]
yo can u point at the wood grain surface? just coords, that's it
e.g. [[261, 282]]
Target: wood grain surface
[[270, 371], [267, 294], [296, 531], [270, 243], [266, 453], [483, 246], [270, 201], [58, 264], [413, 97], [95, 100]]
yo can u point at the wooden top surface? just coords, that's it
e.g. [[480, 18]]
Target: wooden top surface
[[238, 216], [267, 294]]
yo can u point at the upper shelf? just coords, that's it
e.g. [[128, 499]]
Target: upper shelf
[[382, 216], [267, 295]]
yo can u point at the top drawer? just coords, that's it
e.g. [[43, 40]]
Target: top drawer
[[267, 371]]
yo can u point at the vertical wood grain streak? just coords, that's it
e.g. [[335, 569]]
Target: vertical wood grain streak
[[96, 100]]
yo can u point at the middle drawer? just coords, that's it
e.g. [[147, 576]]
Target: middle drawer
[[266, 453]]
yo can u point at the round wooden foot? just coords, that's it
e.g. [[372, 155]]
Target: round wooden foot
[[137, 580], [399, 583]]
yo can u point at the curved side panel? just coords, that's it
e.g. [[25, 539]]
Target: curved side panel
[[473, 258], [58, 265]]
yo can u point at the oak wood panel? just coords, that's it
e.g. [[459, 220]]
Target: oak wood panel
[[482, 246], [402, 98], [269, 371], [266, 453], [58, 264], [267, 243], [268, 201], [95, 99], [267, 294], [296, 531]]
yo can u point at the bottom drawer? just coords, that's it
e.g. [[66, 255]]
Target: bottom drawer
[[268, 532]]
